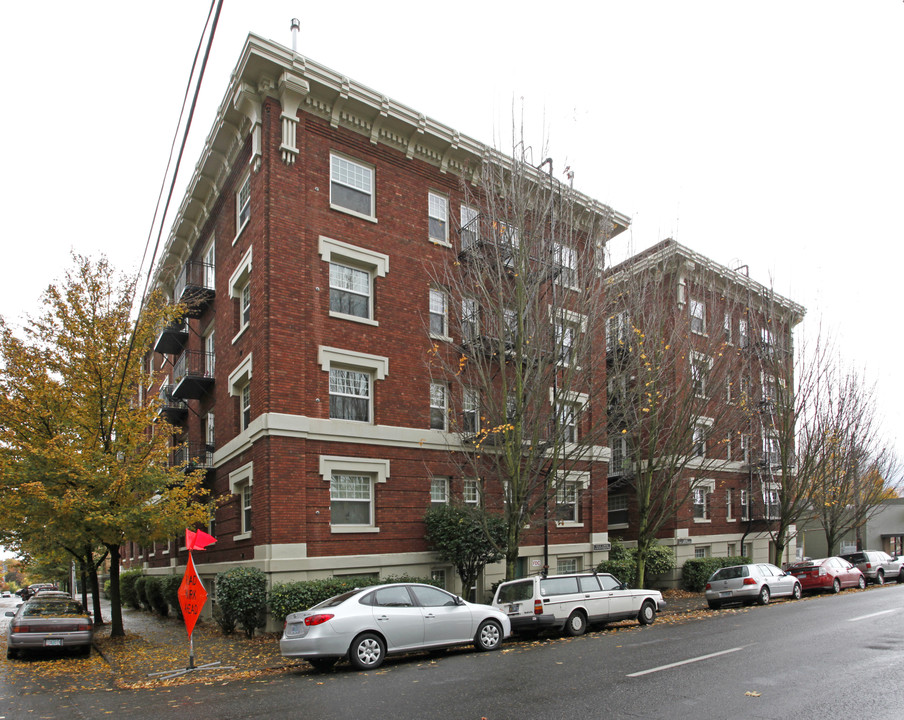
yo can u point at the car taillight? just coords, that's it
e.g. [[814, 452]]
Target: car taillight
[[82, 628], [318, 619], [21, 629], [708, 586], [749, 581], [868, 566], [538, 607]]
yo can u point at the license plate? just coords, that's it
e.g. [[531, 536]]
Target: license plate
[[513, 608], [726, 593], [53, 642], [802, 575]]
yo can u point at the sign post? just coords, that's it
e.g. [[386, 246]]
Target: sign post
[[192, 597]]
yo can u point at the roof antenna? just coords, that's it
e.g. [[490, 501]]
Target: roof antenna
[[296, 25]]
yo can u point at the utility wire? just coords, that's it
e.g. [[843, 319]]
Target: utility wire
[[194, 102]]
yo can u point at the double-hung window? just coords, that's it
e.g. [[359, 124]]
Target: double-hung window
[[240, 290], [728, 508], [566, 416], [698, 316], [438, 217], [700, 367], [246, 509], [352, 186], [743, 336], [699, 449], [439, 490], [470, 410], [618, 454], [351, 499], [566, 260], [618, 510], [771, 502], [745, 505], [246, 407], [439, 323], [471, 492], [701, 495], [350, 290], [565, 333], [617, 330], [567, 506], [727, 328], [350, 394], [241, 481], [353, 271], [243, 204], [438, 406]]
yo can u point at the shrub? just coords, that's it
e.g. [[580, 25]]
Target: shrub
[[242, 595], [153, 590], [622, 562], [225, 620], [107, 589], [286, 598], [696, 571], [127, 591], [140, 599], [169, 585]]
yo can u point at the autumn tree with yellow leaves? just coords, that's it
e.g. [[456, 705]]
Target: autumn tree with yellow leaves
[[516, 327], [84, 460]]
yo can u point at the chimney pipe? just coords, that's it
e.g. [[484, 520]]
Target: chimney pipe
[[296, 25]]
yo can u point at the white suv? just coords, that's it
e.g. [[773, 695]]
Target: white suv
[[572, 602]]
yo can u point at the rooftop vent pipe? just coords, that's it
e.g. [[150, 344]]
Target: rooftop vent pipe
[[296, 25]]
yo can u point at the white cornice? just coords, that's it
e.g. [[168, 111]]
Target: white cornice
[[344, 103]]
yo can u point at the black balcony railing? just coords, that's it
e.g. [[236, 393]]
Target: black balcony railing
[[193, 375], [171, 408], [192, 456], [172, 339], [195, 287]]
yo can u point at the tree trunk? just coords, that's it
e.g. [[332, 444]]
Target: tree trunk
[[116, 629]]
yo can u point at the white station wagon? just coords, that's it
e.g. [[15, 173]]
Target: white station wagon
[[572, 602]]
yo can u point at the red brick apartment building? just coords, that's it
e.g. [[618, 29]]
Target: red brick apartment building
[[721, 349], [299, 379]]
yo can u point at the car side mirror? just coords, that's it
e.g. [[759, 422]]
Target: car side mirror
[[459, 600], [10, 613], [623, 586]]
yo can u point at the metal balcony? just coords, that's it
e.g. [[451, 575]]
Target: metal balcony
[[195, 287], [192, 456], [172, 339], [193, 375], [171, 409]]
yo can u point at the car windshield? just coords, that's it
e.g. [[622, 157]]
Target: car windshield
[[47, 608], [730, 573]]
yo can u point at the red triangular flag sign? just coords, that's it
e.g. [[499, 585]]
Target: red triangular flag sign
[[198, 539]]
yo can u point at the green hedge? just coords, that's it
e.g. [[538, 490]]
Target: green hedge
[[242, 597], [286, 598], [695, 572], [127, 592], [154, 592], [170, 587], [622, 562]]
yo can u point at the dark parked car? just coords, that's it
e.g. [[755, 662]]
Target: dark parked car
[[49, 622], [877, 566], [831, 574]]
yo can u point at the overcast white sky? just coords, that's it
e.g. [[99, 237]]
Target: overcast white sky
[[767, 133]]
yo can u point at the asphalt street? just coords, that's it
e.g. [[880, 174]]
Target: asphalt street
[[839, 656]]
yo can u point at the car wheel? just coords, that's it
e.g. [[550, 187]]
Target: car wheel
[[796, 592], [489, 636], [880, 578], [836, 586], [647, 614], [322, 664], [367, 651], [861, 583], [763, 597], [901, 575], [576, 624], [713, 605]]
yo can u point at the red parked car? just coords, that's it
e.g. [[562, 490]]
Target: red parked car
[[831, 574]]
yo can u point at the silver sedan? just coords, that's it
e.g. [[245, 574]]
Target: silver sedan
[[756, 582], [366, 624], [49, 622]]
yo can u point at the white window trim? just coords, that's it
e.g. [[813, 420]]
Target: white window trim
[[710, 487], [581, 481], [445, 408], [446, 485], [699, 359], [373, 188], [329, 356], [376, 263], [378, 468], [729, 510], [438, 241], [240, 277], [464, 484], [618, 526], [702, 305], [443, 336], [238, 479], [241, 376], [239, 226]]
